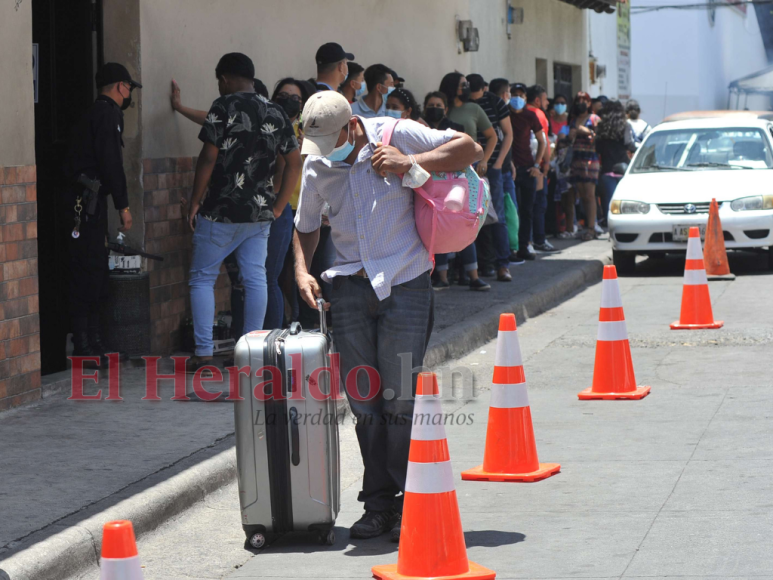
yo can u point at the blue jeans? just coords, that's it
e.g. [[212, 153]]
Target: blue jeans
[[609, 183], [212, 242], [468, 256], [538, 213], [278, 244], [527, 187], [389, 336], [508, 186], [499, 229]]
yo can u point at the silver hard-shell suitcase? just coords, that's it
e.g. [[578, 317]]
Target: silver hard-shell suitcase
[[287, 447]]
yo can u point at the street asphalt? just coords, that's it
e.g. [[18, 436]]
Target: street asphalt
[[69, 466], [677, 485]]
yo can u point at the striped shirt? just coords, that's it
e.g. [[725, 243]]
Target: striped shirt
[[496, 110], [372, 219]]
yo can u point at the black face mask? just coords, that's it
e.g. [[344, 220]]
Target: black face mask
[[465, 96], [291, 107], [581, 108], [127, 102], [434, 114]]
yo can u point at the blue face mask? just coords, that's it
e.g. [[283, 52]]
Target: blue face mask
[[560, 108], [389, 91], [359, 92], [517, 103], [394, 113], [342, 152]]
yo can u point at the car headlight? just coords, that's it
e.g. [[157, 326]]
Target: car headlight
[[751, 203], [629, 207]]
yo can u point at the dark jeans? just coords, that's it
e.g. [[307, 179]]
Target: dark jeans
[[468, 257], [538, 213], [278, 244], [526, 186], [499, 229], [373, 334], [484, 248], [609, 185]]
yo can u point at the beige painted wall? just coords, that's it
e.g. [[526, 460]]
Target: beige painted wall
[[17, 121], [551, 30], [416, 37]]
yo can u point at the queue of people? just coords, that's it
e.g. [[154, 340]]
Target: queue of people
[[293, 231]]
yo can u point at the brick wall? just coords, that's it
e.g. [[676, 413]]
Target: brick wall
[[165, 181], [19, 320]]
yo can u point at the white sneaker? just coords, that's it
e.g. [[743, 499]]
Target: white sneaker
[[530, 249], [599, 230]]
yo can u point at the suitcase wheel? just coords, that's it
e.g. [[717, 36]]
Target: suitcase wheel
[[327, 538], [257, 540]]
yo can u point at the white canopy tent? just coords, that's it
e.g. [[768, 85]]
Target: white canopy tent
[[759, 83]]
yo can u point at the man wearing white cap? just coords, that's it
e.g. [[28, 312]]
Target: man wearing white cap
[[382, 296]]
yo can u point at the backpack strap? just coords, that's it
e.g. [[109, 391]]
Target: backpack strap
[[389, 128]]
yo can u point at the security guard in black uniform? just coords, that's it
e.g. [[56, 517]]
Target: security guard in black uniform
[[96, 170]]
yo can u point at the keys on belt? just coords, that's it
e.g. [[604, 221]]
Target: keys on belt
[[361, 273]]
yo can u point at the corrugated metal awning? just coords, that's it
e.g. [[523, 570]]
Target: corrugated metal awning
[[607, 6]]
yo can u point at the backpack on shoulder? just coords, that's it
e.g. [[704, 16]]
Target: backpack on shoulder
[[450, 208]]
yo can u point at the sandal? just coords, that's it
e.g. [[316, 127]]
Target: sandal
[[589, 235]]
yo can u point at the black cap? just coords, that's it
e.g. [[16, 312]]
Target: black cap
[[112, 72], [519, 87], [237, 64], [332, 52], [396, 77]]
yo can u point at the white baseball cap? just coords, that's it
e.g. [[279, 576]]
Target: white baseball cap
[[325, 114]]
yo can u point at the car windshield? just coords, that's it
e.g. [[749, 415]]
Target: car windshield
[[704, 149]]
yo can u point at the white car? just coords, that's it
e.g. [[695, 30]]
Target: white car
[[679, 168]]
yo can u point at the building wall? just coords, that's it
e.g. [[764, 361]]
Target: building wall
[[19, 319], [681, 63], [602, 42]]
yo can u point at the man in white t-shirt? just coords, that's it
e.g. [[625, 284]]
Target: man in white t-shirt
[[639, 127]]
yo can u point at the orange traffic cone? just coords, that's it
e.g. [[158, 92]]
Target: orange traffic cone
[[613, 376], [431, 539], [120, 560], [511, 452], [715, 255], [696, 301]]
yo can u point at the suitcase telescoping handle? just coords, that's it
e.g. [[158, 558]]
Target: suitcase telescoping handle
[[322, 317]]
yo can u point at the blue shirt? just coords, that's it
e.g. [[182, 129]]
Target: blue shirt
[[372, 220], [361, 109]]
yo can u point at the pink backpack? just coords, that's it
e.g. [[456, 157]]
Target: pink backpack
[[441, 229]]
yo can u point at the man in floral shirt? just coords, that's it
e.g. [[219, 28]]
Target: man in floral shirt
[[243, 135]]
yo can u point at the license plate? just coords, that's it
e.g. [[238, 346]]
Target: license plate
[[682, 233]]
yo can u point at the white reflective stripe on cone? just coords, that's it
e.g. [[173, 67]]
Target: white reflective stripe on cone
[[508, 349], [694, 251], [509, 396], [610, 294], [695, 278], [429, 477], [120, 569], [428, 420], [609, 331]]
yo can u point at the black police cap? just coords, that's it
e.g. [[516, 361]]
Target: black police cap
[[112, 72], [332, 52]]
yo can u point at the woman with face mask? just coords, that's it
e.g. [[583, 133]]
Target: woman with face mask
[[401, 104], [436, 111], [558, 116], [585, 160], [354, 86]]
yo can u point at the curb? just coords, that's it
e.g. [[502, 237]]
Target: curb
[[78, 545], [465, 337]]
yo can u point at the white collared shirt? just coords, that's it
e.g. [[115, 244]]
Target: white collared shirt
[[372, 219]]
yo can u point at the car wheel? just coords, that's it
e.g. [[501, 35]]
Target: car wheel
[[625, 262], [770, 257]]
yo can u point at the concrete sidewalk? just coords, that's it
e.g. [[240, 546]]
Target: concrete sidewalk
[[69, 466]]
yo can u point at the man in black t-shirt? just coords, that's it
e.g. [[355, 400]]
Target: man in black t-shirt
[[499, 115], [243, 135]]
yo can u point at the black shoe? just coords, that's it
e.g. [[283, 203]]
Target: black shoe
[[440, 285], [81, 344], [95, 341], [489, 273], [193, 364], [479, 285], [525, 255], [372, 524], [515, 260], [394, 535]]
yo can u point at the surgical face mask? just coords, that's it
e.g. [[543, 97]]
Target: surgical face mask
[[434, 114], [517, 103], [560, 108], [342, 152], [389, 91], [290, 106], [394, 113], [359, 92], [127, 101]]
